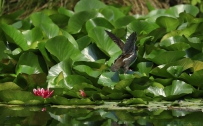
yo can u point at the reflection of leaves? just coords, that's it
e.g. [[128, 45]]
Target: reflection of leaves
[[63, 101], [133, 101]]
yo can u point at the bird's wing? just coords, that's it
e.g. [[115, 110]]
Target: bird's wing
[[130, 44], [115, 39], [118, 63]]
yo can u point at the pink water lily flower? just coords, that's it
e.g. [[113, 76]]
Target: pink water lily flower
[[82, 93], [43, 93]]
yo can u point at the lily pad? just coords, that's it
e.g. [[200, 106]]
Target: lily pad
[[103, 41], [16, 35]]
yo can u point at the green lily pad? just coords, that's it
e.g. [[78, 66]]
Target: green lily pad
[[45, 23], [194, 79], [109, 79], [175, 43], [175, 70], [174, 91], [92, 53], [123, 21], [141, 27], [87, 70], [32, 36], [9, 86], [34, 66], [77, 21], [17, 96], [145, 67], [98, 22], [66, 12], [111, 13], [176, 10], [74, 81], [61, 48], [163, 57], [168, 22], [16, 35], [85, 5], [103, 41]]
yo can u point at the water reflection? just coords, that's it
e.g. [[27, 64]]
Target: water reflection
[[53, 116]]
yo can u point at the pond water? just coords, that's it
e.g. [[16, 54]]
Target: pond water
[[87, 116]]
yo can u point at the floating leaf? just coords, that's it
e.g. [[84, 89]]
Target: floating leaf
[[141, 27], [70, 38], [163, 57], [144, 67], [16, 35], [66, 12], [85, 5], [63, 68], [77, 21], [176, 90], [98, 22], [103, 41], [11, 95], [175, 70], [34, 66], [60, 20], [87, 70], [83, 42], [194, 79], [33, 35], [176, 10], [9, 86], [168, 22], [61, 48], [175, 43], [111, 13], [109, 79], [74, 81], [93, 53], [123, 21], [45, 23]]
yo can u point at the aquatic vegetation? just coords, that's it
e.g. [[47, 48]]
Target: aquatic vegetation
[[66, 51]]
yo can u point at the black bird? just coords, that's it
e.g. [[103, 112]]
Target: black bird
[[129, 53]]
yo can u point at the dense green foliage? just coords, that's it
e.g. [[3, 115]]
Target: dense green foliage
[[69, 51]]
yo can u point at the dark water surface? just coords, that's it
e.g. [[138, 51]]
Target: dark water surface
[[78, 116]]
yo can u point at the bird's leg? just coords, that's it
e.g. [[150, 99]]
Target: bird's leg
[[125, 69]]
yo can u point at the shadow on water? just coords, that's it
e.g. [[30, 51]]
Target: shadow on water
[[74, 116]]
